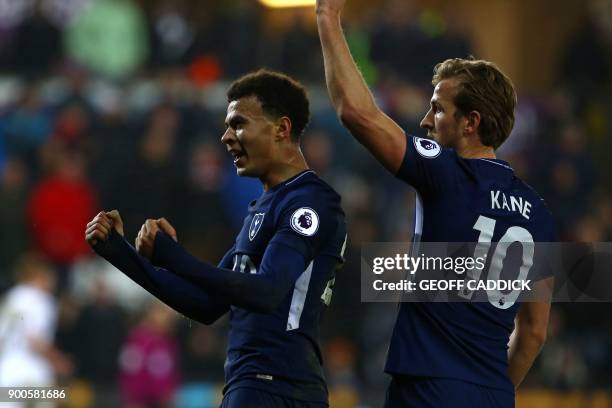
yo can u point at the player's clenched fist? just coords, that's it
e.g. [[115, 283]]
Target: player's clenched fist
[[334, 6], [100, 227], [146, 236]]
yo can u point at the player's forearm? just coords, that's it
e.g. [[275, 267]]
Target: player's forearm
[[253, 292], [524, 348], [348, 91], [120, 254], [171, 289]]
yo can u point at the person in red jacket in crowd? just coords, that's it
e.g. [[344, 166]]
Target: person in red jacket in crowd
[[60, 204]]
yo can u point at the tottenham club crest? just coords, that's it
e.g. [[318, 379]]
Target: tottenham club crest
[[305, 221], [427, 148], [255, 225]]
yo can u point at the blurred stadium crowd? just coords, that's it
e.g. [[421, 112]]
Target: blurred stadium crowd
[[120, 104]]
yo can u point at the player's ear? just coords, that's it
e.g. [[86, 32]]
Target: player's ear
[[283, 129], [472, 122]]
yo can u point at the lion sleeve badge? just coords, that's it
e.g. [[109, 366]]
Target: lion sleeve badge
[[305, 221], [427, 148]]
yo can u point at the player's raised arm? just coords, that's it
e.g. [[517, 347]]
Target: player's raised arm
[[350, 95]]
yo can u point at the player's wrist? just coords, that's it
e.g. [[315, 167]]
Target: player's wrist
[[157, 253], [325, 13]]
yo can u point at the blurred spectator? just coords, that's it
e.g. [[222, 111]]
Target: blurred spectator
[[148, 361], [562, 364], [148, 183], [27, 325], [318, 151], [588, 229], [62, 13], [604, 213], [101, 327], [404, 31], [12, 13], [3, 157], [206, 176], [172, 33], [395, 38], [299, 49], [586, 66], [27, 126], [72, 125], [202, 352], [237, 193], [569, 178], [341, 376], [109, 37], [206, 56], [60, 206], [39, 46], [360, 43], [13, 193], [240, 24]]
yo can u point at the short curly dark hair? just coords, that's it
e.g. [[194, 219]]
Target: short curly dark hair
[[279, 94]]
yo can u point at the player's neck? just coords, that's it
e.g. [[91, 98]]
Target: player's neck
[[476, 152], [293, 164]]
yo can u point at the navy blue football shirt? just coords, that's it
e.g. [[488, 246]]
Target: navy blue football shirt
[[280, 350], [275, 281], [463, 200]]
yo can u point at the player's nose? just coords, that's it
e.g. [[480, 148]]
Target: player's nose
[[227, 136], [426, 122]]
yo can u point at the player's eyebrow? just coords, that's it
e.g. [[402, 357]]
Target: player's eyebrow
[[234, 120]]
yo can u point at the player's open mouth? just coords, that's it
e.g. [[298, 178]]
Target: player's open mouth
[[237, 156]]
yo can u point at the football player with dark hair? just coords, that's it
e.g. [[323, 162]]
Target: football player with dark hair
[[277, 278]]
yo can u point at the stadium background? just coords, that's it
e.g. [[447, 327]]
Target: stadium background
[[120, 104]]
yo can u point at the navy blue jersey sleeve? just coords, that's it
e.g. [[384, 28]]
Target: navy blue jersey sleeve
[[260, 292], [307, 221], [175, 291], [427, 166]]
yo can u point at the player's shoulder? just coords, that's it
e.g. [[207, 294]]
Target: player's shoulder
[[426, 155], [306, 197], [432, 169], [307, 188], [425, 148]]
